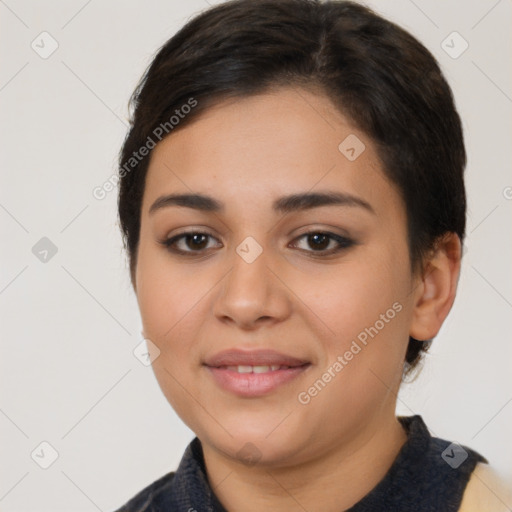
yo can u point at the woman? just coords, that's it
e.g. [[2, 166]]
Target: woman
[[293, 206]]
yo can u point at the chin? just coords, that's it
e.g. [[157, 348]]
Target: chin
[[250, 442]]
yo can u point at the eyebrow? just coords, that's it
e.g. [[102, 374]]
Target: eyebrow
[[285, 204]]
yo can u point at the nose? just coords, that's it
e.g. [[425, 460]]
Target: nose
[[252, 293]]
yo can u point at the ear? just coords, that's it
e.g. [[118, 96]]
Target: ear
[[436, 288]]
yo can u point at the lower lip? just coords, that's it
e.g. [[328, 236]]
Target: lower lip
[[254, 384]]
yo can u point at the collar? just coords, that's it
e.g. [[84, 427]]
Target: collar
[[427, 474]]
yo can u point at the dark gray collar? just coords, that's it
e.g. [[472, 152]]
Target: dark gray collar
[[428, 475]]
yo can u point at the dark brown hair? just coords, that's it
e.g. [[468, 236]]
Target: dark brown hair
[[379, 76]]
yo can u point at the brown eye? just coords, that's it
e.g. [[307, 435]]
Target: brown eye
[[191, 242], [320, 242], [196, 241]]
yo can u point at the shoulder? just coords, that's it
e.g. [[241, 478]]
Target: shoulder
[[144, 499], [486, 491]]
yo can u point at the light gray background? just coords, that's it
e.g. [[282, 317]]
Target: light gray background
[[69, 326]]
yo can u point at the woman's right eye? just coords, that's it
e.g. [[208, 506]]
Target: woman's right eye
[[195, 240]]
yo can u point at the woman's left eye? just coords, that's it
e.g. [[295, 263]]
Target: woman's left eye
[[320, 242]]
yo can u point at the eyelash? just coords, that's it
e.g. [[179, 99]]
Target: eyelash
[[343, 243]]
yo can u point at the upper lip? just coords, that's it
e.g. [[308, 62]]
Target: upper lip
[[236, 357]]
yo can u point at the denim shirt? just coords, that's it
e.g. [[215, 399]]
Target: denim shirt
[[428, 475]]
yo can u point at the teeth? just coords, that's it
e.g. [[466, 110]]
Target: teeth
[[255, 369], [260, 369]]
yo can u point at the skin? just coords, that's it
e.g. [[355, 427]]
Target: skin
[[327, 454]]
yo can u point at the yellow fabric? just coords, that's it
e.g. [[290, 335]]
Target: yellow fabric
[[486, 491]]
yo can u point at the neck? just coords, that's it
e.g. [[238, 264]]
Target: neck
[[332, 482]]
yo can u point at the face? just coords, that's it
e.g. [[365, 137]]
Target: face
[[313, 296]]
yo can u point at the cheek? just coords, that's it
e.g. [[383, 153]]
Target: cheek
[[363, 306], [172, 306], [352, 296], [168, 300], [364, 303]]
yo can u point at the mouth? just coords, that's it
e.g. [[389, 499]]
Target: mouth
[[255, 373], [255, 369]]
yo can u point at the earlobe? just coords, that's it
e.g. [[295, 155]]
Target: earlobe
[[437, 288]]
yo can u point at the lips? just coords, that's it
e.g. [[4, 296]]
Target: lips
[[253, 358], [256, 373]]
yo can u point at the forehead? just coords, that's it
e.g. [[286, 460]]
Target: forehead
[[266, 146]]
